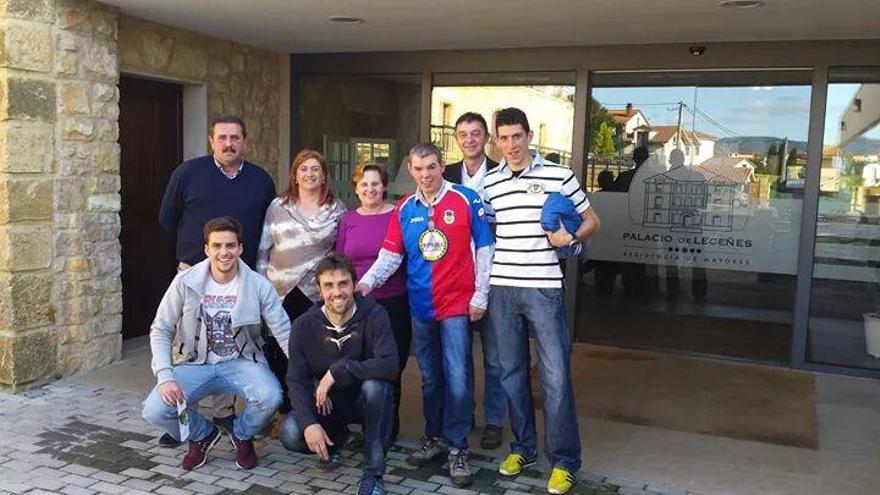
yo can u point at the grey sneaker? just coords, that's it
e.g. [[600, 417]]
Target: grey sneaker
[[431, 449], [459, 470]]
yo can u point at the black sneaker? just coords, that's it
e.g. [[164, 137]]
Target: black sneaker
[[330, 464], [167, 440], [198, 450]]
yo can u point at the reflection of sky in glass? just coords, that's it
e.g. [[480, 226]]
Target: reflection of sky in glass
[[778, 111], [840, 96]]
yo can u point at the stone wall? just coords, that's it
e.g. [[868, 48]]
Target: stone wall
[[60, 257], [60, 296], [239, 79], [87, 262]]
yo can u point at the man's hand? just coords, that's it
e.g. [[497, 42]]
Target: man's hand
[[182, 266], [171, 393], [475, 312], [560, 238], [317, 440], [363, 288], [322, 400]]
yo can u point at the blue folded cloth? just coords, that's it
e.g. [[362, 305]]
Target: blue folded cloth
[[559, 208]]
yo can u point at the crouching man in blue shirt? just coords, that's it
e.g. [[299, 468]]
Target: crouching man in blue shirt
[[215, 307], [343, 362]]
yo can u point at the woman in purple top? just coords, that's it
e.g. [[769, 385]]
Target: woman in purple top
[[360, 235]]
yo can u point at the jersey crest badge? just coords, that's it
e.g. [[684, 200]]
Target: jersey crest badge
[[449, 217]]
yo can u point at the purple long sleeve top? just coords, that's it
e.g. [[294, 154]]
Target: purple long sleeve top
[[360, 238]]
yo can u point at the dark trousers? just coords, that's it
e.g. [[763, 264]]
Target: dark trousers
[[401, 327], [370, 404], [295, 304]]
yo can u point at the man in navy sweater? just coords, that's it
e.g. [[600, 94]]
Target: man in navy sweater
[[207, 187], [343, 361], [211, 186]]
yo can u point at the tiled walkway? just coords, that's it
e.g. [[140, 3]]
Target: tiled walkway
[[75, 438]]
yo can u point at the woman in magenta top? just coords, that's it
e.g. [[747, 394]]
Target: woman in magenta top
[[359, 236]]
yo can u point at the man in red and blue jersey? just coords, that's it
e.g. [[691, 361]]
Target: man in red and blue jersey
[[442, 231]]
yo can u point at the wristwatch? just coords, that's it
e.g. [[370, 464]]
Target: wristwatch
[[574, 241]]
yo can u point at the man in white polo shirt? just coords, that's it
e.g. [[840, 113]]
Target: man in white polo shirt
[[526, 295], [472, 134]]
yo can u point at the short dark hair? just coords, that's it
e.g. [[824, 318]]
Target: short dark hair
[[223, 224], [228, 119], [472, 117], [511, 116], [332, 262]]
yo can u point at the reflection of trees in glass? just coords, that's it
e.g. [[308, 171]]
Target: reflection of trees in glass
[[759, 163], [851, 174], [603, 142], [792, 160], [598, 116]]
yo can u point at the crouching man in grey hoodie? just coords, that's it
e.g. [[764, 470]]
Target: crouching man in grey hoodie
[[215, 307]]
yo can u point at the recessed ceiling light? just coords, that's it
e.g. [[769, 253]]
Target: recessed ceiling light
[[344, 19], [741, 4]]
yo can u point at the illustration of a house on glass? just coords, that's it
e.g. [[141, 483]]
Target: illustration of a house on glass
[[694, 199]]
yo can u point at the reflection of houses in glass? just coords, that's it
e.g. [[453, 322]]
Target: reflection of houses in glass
[[690, 199], [634, 130]]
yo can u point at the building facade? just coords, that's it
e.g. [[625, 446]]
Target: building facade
[[781, 267]]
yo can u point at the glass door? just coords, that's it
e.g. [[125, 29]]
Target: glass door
[[698, 180]]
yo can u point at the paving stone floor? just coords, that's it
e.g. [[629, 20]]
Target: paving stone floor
[[78, 439]]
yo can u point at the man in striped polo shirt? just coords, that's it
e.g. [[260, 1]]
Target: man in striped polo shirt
[[526, 295]]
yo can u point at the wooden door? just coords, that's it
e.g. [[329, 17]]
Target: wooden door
[[151, 140]]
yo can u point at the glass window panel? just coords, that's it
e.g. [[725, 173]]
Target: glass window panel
[[353, 119], [698, 246], [846, 269], [549, 108]]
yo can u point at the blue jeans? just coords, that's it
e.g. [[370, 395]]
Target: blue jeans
[[371, 405], [252, 381], [513, 311], [494, 399], [443, 352]]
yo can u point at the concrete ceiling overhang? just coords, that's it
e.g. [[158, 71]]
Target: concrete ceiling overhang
[[303, 26]]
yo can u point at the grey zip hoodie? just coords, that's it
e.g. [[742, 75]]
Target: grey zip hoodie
[[181, 312]]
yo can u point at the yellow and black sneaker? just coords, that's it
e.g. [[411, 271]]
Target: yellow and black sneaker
[[560, 481], [513, 464]]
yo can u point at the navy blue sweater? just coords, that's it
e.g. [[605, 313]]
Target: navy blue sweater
[[366, 350], [198, 191]]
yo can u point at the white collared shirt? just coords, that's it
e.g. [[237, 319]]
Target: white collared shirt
[[475, 182], [222, 171]]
